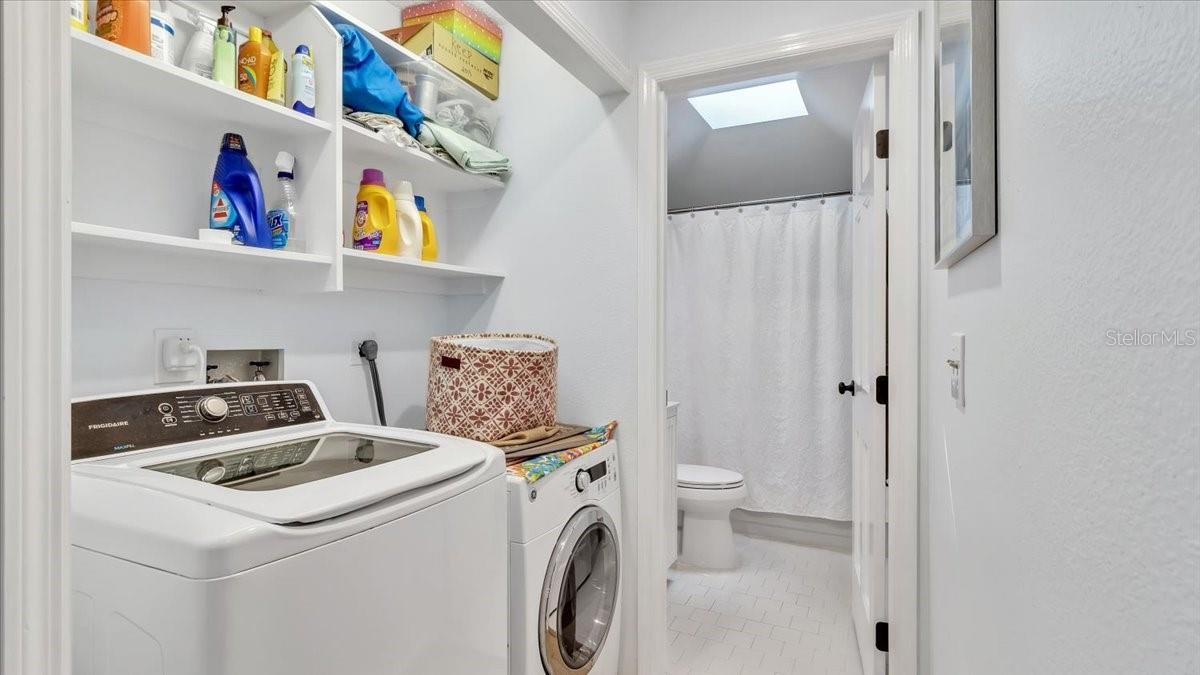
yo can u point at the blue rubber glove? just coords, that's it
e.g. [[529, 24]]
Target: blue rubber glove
[[369, 85]]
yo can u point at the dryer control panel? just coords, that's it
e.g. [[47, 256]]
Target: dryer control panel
[[116, 424]]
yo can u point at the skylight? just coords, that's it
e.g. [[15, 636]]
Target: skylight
[[751, 105]]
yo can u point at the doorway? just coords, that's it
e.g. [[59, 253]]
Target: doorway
[[885, 625]]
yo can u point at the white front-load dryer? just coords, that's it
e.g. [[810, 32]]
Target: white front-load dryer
[[237, 530], [565, 568]]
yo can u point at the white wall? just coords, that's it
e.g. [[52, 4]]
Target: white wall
[[1062, 523], [609, 21], [669, 28], [114, 350]]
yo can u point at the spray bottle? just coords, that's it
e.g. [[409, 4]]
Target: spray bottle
[[282, 218]]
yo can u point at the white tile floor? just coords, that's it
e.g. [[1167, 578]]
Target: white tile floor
[[785, 610]]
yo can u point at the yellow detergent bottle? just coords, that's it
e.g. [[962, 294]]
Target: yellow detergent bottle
[[429, 249], [375, 227]]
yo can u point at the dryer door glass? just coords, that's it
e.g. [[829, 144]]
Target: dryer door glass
[[580, 594]]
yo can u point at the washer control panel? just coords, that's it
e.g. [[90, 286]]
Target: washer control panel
[[107, 426]]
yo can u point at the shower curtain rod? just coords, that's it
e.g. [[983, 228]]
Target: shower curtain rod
[[756, 202]]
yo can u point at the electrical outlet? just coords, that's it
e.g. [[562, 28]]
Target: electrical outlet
[[173, 360], [355, 359]]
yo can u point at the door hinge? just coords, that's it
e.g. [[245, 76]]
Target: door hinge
[[881, 636], [881, 144], [881, 390]]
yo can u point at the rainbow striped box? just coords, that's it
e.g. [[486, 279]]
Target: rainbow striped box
[[465, 21]]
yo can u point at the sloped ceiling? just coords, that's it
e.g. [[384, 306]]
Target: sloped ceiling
[[797, 156]]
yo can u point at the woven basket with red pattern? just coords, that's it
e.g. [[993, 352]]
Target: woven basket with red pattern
[[490, 385]]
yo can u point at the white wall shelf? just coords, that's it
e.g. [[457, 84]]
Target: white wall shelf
[[367, 270], [364, 147], [100, 68], [146, 136], [388, 49], [102, 252]]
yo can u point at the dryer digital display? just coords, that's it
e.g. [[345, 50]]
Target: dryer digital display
[[598, 471]]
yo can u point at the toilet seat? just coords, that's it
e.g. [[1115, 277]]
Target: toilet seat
[[701, 477]]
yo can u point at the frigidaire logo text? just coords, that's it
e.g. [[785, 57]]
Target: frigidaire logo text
[[109, 425]]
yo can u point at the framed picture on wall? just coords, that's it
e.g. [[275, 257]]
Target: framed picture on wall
[[965, 89]]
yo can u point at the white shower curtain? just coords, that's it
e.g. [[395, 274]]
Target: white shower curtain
[[758, 336]]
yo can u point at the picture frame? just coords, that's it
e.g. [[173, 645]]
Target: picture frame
[[965, 133]]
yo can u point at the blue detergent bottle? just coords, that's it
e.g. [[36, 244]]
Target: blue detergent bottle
[[237, 197]]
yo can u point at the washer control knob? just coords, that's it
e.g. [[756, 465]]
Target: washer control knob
[[212, 408], [582, 480]]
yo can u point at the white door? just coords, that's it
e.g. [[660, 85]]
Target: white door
[[869, 361]]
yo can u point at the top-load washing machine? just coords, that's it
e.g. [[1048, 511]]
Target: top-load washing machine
[[236, 529], [565, 567]]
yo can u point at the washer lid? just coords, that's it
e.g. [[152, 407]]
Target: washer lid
[[301, 480], [710, 477], [203, 531]]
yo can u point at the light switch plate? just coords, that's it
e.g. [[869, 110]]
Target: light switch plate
[[958, 366]]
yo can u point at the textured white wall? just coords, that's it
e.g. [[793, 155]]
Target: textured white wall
[[1062, 530]]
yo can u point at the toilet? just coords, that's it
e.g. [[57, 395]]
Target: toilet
[[706, 496]]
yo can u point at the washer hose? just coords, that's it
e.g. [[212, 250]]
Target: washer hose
[[369, 349]]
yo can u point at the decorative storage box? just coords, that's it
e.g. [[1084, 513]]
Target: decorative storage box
[[435, 42], [488, 386], [467, 22]]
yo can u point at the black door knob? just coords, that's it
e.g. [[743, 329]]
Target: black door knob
[[846, 387]]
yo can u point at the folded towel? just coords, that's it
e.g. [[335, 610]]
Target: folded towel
[[526, 437], [472, 156], [535, 469], [539, 443], [391, 129]]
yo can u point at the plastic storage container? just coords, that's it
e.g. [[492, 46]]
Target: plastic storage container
[[448, 100]]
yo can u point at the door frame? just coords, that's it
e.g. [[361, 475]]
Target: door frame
[[899, 33], [35, 326]]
